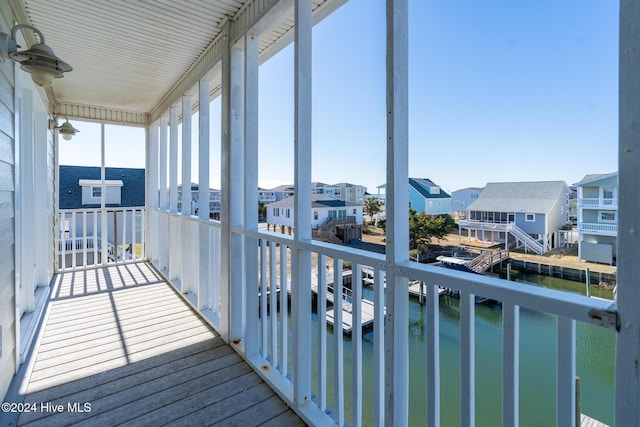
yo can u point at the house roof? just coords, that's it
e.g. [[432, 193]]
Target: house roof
[[533, 197], [317, 201], [71, 192], [284, 187], [421, 186], [476, 189], [588, 179]]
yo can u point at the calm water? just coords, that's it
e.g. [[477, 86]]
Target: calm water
[[595, 349]]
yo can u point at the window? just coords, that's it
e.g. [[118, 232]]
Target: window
[[530, 217], [315, 215], [354, 211], [430, 204], [276, 211], [608, 194], [96, 192], [287, 213], [606, 216]]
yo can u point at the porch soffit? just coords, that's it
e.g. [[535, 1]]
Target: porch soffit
[[132, 59]]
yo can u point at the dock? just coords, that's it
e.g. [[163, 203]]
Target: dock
[[347, 319], [586, 421]]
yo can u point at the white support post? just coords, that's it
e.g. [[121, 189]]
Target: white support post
[[322, 332], [627, 390], [104, 236], [175, 256], [251, 202], [204, 269], [301, 260], [236, 192], [225, 202], [162, 168], [566, 372], [186, 267], [397, 320], [173, 160], [153, 151], [186, 155]]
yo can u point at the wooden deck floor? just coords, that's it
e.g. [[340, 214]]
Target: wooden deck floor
[[120, 347]]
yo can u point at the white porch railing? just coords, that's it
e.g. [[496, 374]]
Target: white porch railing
[[193, 246], [598, 203], [598, 228], [90, 237]]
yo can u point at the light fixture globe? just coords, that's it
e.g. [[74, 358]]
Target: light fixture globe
[[40, 60], [67, 130]]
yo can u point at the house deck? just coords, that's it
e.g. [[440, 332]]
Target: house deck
[[120, 347]]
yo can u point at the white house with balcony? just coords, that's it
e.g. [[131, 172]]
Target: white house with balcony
[[527, 214], [192, 311], [461, 199], [324, 208], [598, 218]]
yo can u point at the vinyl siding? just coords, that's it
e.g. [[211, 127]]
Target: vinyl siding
[[7, 228]]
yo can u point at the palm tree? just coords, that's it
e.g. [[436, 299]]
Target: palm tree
[[372, 206]]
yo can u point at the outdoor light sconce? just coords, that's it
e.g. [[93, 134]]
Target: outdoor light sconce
[[40, 60], [66, 129]]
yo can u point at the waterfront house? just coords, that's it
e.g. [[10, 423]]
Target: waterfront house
[[598, 217], [334, 216], [425, 196], [461, 199], [529, 214], [147, 64]]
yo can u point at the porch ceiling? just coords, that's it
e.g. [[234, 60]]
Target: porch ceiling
[[132, 55]]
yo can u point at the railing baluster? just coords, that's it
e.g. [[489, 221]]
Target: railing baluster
[[378, 348], [73, 240], [322, 331], [433, 355], [123, 244], [284, 300], [63, 241], [273, 303], [263, 297], [84, 238], [95, 237], [467, 352], [338, 342], [510, 364], [356, 345], [566, 372]]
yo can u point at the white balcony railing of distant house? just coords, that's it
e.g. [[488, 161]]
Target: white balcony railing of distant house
[[598, 228], [598, 203], [93, 237], [265, 277]]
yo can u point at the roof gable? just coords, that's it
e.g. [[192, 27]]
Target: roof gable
[[422, 185], [70, 197]]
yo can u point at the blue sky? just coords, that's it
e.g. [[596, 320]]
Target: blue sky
[[500, 90]]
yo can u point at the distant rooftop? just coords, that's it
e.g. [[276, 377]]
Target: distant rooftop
[[70, 197]]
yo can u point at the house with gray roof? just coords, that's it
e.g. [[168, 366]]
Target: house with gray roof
[[461, 199], [529, 214]]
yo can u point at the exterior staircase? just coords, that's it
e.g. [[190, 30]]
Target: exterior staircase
[[327, 231], [528, 241], [487, 259]]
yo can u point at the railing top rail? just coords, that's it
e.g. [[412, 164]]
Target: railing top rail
[[108, 209], [561, 303]]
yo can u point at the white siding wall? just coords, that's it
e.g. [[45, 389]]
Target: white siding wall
[[7, 231]]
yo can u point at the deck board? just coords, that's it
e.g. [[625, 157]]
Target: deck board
[[122, 340]]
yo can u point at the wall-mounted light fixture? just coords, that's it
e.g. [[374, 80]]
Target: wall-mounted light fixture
[[40, 60], [66, 129]]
